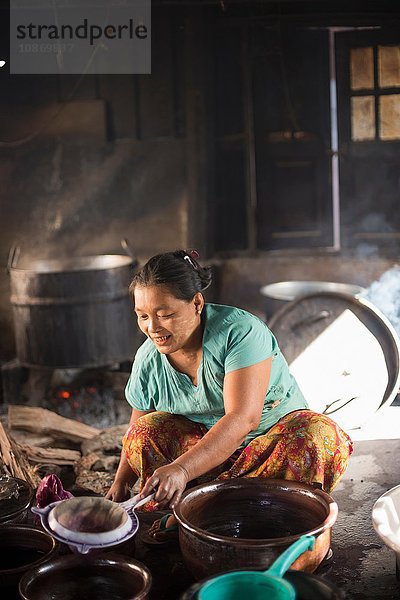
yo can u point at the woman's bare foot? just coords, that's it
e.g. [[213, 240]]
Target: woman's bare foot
[[164, 529]]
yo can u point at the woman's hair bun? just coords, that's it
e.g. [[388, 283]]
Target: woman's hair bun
[[180, 271]]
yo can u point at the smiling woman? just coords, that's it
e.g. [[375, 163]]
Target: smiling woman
[[170, 323], [212, 396]]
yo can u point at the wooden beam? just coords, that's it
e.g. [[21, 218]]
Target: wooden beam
[[196, 132]]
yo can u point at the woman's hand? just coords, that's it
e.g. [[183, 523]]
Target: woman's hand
[[119, 491], [169, 482]]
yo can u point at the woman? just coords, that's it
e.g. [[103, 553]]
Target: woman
[[212, 397]]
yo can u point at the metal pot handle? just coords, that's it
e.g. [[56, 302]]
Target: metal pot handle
[[13, 257], [126, 246], [135, 502]]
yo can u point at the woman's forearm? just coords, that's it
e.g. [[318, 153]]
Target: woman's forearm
[[218, 444], [124, 473], [123, 481]]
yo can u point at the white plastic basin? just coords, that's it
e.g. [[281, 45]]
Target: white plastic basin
[[386, 521]]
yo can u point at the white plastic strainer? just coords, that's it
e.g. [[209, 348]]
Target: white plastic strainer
[[88, 522]]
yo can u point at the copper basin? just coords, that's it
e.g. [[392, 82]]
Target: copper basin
[[248, 523]]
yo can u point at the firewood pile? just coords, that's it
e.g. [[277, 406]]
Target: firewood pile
[[36, 441]]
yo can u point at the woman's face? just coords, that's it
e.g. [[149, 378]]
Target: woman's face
[[171, 324]]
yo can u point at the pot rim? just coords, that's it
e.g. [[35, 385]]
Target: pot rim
[[74, 264], [22, 528], [302, 488], [68, 562]]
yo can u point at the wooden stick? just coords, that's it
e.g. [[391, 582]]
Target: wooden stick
[[13, 459], [53, 456], [36, 419]]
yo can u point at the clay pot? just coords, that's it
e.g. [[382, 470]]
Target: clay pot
[[22, 547], [84, 576], [248, 523]]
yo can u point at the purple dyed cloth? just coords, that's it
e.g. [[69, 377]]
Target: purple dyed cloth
[[50, 489]]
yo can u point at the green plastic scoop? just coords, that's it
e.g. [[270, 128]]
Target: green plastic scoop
[[258, 585]]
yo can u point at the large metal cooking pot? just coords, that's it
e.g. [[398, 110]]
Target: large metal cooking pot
[[73, 312], [72, 577], [246, 523]]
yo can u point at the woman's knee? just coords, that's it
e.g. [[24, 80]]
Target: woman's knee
[[308, 421], [320, 431], [147, 427]]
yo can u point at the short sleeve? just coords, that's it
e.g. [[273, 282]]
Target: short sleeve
[[136, 390], [249, 342]]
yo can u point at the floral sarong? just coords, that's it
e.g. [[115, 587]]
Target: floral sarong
[[302, 446]]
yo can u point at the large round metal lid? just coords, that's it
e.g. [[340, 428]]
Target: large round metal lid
[[343, 352], [289, 290]]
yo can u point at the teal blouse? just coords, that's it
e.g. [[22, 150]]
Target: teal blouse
[[233, 338]]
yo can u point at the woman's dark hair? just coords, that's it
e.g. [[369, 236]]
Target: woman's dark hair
[[178, 270]]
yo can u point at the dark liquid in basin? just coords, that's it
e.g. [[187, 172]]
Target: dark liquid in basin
[[79, 583], [16, 557], [263, 525]]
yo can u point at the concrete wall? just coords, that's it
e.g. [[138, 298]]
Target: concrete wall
[[85, 162], [126, 157], [64, 200]]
